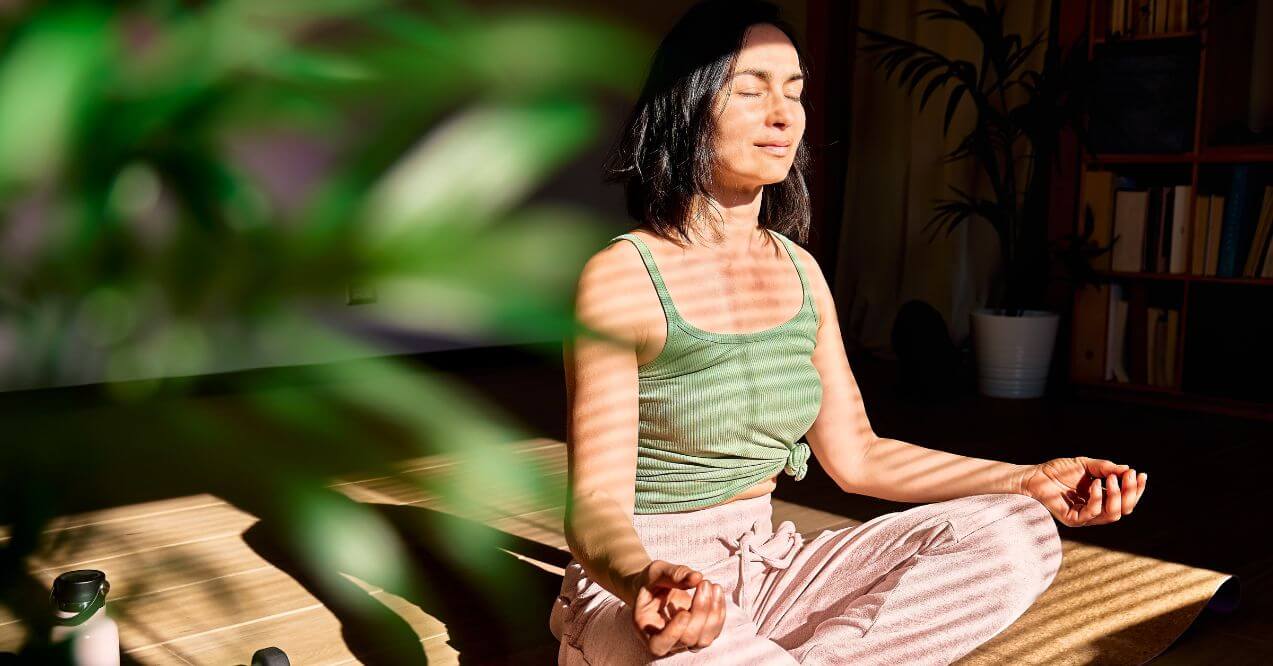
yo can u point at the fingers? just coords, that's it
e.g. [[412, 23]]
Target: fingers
[[700, 609], [1102, 468], [648, 621], [715, 619], [1131, 491], [678, 576], [1095, 503], [662, 642], [646, 613], [1113, 500], [664, 610], [695, 627]]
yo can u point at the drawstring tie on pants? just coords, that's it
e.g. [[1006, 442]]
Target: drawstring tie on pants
[[778, 551]]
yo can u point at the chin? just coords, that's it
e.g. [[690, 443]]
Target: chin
[[776, 177], [764, 176]]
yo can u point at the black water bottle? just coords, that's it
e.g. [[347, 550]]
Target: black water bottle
[[79, 609]]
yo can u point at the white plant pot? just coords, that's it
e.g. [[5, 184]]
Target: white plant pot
[[1013, 353]]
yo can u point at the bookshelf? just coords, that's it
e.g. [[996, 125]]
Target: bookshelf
[[1186, 334]]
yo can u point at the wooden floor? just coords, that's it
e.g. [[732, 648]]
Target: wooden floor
[[193, 582], [1206, 474], [198, 581]]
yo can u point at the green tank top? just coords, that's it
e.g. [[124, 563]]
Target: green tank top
[[721, 412]]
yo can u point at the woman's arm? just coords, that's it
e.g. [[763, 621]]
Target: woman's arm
[[671, 604], [601, 422], [860, 461]]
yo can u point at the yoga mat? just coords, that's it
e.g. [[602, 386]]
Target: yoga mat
[[1108, 607]]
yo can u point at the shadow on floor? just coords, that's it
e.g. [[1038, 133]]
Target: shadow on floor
[[494, 614]]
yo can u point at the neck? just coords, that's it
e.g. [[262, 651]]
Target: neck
[[729, 220]]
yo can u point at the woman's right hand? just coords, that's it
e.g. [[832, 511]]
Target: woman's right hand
[[676, 607]]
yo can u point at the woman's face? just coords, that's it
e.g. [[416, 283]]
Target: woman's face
[[760, 120]]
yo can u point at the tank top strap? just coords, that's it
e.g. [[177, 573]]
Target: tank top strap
[[669, 308], [791, 252]]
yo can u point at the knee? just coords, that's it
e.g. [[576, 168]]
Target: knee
[[1028, 543], [1012, 548]]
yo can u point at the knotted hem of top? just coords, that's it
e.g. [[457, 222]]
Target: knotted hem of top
[[798, 460]]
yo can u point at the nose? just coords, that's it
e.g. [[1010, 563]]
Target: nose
[[781, 112]]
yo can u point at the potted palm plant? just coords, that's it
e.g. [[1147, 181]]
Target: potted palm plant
[[1018, 115]]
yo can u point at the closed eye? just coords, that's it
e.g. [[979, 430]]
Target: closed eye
[[794, 99]]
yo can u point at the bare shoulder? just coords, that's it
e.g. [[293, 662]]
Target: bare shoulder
[[615, 294], [817, 279], [616, 265]]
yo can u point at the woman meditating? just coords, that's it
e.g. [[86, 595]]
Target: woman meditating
[[719, 349]]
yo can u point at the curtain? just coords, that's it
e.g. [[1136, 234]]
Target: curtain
[[894, 173]]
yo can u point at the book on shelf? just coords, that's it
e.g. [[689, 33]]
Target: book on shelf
[[1098, 197], [1229, 235], [1140, 339], [1143, 21], [1160, 216], [1178, 255], [1241, 210], [1160, 349], [1213, 234], [1154, 340], [1266, 268], [1263, 231], [1115, 336], [1091, 312], [1250, 218], [1153, 230], [1267, 271], [1173, 336], [1198, 246], [1132, 17], [1151, 224], [1137, 336], [1130, 207]]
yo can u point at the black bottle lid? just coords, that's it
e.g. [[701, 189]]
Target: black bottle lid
[[75, 591], [270, 656]]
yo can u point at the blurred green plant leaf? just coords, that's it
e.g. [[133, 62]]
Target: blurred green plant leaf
[[190, 187]]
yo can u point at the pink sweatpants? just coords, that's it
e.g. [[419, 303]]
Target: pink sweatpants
[[922, 586]]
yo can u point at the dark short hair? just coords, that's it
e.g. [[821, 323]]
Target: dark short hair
[[664, 155]]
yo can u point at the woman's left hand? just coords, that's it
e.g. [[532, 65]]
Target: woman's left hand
[[1071, 489]]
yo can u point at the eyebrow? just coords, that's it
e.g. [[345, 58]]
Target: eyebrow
[[764, 75]]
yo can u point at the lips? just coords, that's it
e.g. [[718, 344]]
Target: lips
[[779, 149]]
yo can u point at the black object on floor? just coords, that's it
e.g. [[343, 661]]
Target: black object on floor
[[270, 656]]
